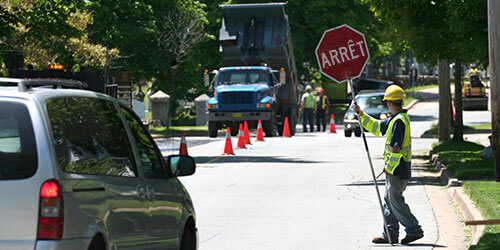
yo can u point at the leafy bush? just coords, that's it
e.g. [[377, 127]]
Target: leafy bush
[[185, 118]]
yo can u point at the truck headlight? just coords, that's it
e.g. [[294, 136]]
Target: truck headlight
[[350, 117], [212, 106], [384, 116], [263, 105]]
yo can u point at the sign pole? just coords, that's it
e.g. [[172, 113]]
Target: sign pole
[[349, 81]]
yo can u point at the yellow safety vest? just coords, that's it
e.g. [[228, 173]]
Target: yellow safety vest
[[309, 101], [391, 159]]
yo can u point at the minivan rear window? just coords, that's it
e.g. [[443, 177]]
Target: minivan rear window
[[18, 157]]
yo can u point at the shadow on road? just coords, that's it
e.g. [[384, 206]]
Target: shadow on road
[[260, 159], [414, 181], [411, 245]]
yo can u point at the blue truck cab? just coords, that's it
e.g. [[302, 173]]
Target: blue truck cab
[[242, 94]]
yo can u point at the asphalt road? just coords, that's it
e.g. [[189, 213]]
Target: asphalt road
[[311, 191]]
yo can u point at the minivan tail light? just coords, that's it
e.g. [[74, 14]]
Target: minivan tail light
[[51, 216]]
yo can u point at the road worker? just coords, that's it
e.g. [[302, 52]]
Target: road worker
[[321, 109], [307, 105], [397, 166]]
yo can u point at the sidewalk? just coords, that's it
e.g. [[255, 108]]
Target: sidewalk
[[451, 205]]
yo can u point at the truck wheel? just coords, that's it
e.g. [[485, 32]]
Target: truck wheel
[[235, 126], [357, 132], [293, 122], [269, 126], [347, 132], [212, 129]]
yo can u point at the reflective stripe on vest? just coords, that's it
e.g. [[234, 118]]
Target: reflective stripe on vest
[[323, 102], [393, 162], [370, 124], [406, 147], [309, 102]]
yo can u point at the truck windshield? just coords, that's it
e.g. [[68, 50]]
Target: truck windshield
[[243, 77]]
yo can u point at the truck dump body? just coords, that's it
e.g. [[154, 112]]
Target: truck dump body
[[253, 34]]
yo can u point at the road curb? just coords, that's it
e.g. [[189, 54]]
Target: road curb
[[455, 189], [409, 106]]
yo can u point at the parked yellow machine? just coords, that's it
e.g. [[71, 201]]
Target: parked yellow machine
[[474, 95]]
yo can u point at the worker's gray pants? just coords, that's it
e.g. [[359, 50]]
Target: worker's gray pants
[[396, 210]]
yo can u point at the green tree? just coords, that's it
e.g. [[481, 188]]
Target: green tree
[[127, 25], [424, 28]]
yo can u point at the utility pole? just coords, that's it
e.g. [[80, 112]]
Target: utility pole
[[494, 53]]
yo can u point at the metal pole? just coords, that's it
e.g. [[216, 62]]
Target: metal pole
[[371, 164]]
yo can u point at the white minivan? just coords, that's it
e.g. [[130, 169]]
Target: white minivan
[[78, 170]]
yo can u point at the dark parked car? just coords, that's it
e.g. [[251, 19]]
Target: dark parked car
[[370, 84], [372, 104]]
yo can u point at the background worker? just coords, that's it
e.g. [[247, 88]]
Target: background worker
[[321, 110], [307, 105], [397, 159]]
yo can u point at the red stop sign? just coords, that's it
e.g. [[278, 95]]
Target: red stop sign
[[342, 53]]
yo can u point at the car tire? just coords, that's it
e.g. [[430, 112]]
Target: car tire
[[97, 243], [347, 132], [357, 132], [188, 241], [212, 129]]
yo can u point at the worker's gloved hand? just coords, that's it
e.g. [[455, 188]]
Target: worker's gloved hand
[[357, 109], [385, 171]]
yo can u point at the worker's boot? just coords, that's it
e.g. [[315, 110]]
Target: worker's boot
[[411, 238], [382, 240]]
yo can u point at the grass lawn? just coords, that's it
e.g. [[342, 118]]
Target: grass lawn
[[456, 146], [434, 129], [481, 126], [486, 195], [423, 87], [410, 99], [473, 169], [178, 129], [463, 160]]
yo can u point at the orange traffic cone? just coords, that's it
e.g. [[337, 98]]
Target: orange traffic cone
[[246, 133], [183, 149], [286, 128], [241, 138], [260, 134], [332, 124], [228, 148]]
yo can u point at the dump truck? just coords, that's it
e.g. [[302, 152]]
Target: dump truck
[[258, 78], [474, 96]]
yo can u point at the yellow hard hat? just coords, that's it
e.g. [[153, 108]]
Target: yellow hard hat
[[394, 93]]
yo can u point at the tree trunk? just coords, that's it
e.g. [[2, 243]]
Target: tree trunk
[[458, 134], [444, 100], [172, 107], [494, 49]]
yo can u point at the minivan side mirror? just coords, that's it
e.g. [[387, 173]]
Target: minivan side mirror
[[181, 165]]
